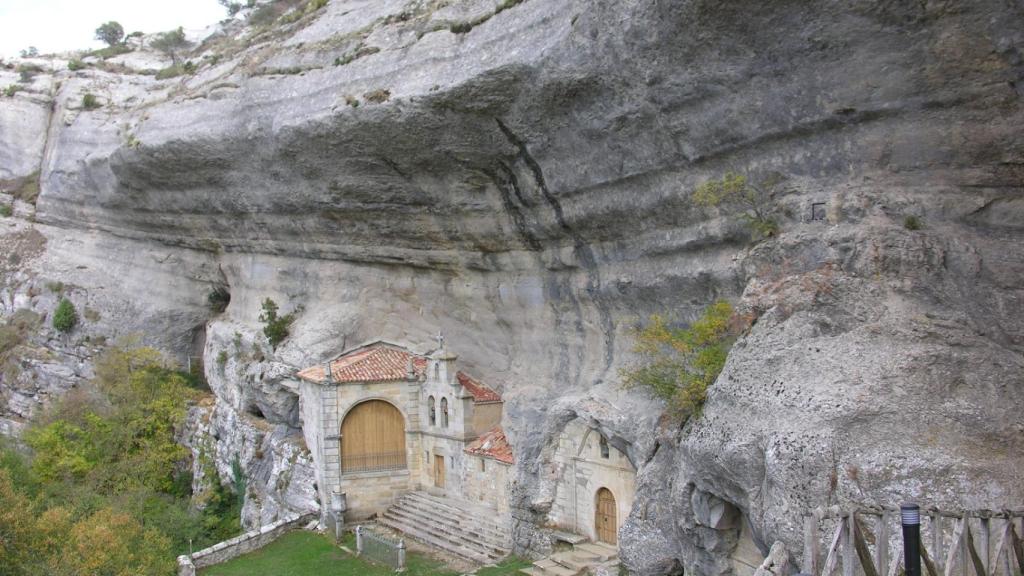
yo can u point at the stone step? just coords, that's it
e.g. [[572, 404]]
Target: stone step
[[481, 527], [547, 567], [465, 535], [440, 543], [484, 515], [467, 511], [462, 507], [583, 558], [572, 560], [597, 551]]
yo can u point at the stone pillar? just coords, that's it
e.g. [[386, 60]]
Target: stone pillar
[[185, 566], [339, 503]]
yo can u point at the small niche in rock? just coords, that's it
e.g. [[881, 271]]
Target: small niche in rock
[[218, 299], [254, 410], [817, 211]]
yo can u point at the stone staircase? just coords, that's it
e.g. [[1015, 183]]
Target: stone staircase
[[460, 528], [579, 560]]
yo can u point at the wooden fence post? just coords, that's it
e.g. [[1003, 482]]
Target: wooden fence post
[[882, 544], [965, 549], [811, 561], [848, 542], [954, 546], [833, 550], [937, 540], [983, 544]]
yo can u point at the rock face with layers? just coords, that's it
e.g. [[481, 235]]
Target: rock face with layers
[[519, 175]]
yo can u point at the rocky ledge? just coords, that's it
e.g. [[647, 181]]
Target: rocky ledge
[[518, 175]]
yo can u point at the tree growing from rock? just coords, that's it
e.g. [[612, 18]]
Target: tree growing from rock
[[232, 7], [275, 327], [737, 192], [110, 32], [679, 364], [65, 318], [172, 43]]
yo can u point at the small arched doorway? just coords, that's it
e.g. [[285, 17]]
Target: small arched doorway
[[373, 438], [605, 519]]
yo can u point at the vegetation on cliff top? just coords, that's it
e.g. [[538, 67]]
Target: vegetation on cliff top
[[110, 32], [105, 488]]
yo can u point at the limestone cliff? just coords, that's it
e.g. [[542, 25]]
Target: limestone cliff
[[517, 175]]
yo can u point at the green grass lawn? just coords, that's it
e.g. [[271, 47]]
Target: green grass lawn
[[302, 553]]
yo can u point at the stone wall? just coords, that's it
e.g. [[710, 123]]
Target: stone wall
[[582, 471], [370, 493], [486, 416], [248, 542], [485, 481], [323, 411]]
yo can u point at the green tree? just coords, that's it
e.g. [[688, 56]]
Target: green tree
[[132, 442], [275, 327], [679, 364], [110, 32], [172, 43], [231, 6], [90, 102], [737, 192], [17, 529], [65, 317], [105, 448]]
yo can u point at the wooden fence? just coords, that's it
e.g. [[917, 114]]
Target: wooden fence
[[868, 542]]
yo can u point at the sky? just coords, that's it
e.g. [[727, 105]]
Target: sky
[[58, 25]]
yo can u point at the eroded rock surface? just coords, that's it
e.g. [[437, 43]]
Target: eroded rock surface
[[519, 178]]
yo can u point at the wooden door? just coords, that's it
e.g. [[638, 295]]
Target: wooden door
[[439, 471], [606, 522], [373, 438]]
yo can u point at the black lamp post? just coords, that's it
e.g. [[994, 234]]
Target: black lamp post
[[910, 514]]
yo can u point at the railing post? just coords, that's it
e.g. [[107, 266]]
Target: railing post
[[811, 560], [1007, 546], [910, 514], [983, 543], [849, 552], [965, 547], [359, 540], [940, 557], [882, 545], [401, 554]]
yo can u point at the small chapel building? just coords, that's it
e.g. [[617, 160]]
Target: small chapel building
[[382, 420]]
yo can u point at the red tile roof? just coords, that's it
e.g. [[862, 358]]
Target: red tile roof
[[494, 445], [480, 392], [377, 362], [383, 362]]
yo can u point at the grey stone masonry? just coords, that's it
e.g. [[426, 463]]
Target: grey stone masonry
[[243, 544], [457, 527]]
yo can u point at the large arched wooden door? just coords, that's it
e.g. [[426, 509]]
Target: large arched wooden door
[[605, 517], [373, 438]]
